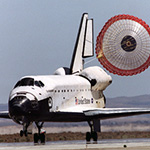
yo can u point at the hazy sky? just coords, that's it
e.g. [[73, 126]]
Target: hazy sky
[[38, 36]]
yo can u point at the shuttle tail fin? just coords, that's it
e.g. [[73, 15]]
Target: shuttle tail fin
[[84, 46]]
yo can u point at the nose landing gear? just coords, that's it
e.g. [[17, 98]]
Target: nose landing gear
[[39, 138], [26, 123]]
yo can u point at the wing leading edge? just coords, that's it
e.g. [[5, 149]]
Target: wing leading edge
[[108, 113], [4, 114]]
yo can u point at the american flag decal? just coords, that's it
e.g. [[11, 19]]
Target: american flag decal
[[76, 101]]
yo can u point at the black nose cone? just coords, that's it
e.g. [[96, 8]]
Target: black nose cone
[[19, 106]]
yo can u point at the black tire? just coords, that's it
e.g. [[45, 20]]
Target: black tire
[[26, 133], [88, 136], [36, 138], [42, 138], [94, 136], [21, 133]]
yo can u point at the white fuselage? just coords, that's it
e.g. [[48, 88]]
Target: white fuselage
[[64, 92]]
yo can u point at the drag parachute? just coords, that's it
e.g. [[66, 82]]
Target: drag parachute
[[123, 45]]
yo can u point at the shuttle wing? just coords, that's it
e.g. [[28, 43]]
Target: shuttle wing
[[108, 113], [92, 114], [100, 113], [4, 114]]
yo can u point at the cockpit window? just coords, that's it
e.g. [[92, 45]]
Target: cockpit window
[[25, 82], [39, 83], [29, 82]]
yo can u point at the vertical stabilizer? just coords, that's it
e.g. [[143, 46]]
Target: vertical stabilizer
[[88, 49], [84, 44]]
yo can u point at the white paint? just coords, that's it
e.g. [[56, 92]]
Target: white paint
[[66, 90]]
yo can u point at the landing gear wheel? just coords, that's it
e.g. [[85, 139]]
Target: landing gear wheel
[[26, 133], [21, 133], [39, 138], [36, 138], [42, 138], [88, 136], [94, 136]]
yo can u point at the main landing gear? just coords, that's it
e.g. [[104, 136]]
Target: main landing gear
[[39, 138], [93, 134]]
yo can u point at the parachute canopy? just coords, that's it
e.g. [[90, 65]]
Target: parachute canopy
[[123, 45]]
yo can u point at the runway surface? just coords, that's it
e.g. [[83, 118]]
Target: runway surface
[[129, 144]]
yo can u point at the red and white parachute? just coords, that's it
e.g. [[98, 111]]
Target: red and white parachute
[[123, 45]]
